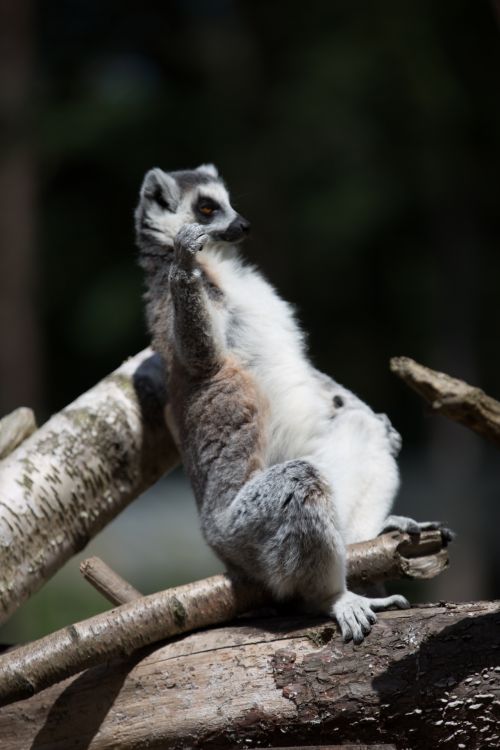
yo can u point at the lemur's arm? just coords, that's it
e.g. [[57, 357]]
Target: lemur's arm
[[195, 337]]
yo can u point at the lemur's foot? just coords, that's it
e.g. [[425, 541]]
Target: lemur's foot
[[355, 614], [409, 526], [189, 240]]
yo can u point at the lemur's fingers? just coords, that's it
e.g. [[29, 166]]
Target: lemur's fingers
[[368, 611], [364, 621], [190, 239], [409, 526], [447, 534], [401, 523], [389, 601], [351, 630], [353, 615]]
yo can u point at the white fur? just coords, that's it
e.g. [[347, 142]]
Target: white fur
[[352, 450]]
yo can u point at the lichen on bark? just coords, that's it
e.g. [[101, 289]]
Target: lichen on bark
[[78, 471]]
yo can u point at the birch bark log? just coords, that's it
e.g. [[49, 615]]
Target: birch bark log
[[77, 472]]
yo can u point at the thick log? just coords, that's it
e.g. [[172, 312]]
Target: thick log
[[426, 677], [451, 397], [77, 472], [146, 620]]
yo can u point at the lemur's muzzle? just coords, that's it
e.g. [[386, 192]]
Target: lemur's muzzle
[[237, 230]]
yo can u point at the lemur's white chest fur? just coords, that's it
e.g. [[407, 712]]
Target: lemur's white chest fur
[[307, 414], [259, 328]]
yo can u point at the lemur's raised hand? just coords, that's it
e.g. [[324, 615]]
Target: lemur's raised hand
[[287, 466]]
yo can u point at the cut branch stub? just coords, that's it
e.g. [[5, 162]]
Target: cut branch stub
[[14, 428], [108, 583], [451, 397]]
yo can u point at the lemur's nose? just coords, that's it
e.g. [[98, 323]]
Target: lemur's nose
[[237, 229], [244, 225]]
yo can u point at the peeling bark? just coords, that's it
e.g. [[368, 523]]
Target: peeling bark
[[78, 471], [451, 397], [426, 677]]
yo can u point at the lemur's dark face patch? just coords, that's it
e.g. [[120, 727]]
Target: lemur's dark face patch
[[206, 209]]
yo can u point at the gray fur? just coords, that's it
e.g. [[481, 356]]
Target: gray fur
[[268, 507], [189, 178], [299, 525], [195, 344]]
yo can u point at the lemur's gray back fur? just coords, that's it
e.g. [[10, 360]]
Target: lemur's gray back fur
[[287, 466]]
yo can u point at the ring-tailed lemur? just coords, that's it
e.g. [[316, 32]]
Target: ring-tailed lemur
[[287, 466]]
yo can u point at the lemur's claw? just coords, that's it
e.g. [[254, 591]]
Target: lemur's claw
[[409, 526]]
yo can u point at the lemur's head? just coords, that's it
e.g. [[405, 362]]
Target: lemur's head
[[170, 199]]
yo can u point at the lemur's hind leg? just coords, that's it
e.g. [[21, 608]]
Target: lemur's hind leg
[[196, 339], [281, 529]]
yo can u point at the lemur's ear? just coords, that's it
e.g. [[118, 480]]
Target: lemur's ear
[[161, 188], [210, 169]]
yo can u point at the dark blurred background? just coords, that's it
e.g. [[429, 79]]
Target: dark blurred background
[[363, 142]]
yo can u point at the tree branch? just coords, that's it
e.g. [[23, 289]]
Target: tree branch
[[426, 677], [388, 557], [77, 472], [141, 622], [451, 397], [395, 555]]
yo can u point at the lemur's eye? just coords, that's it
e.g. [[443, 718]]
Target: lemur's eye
[[159, 198], [207, 206]]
